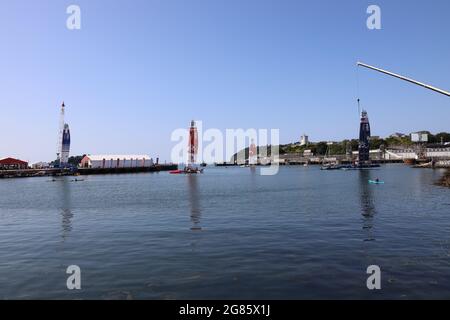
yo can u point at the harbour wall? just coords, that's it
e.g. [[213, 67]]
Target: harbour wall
[[27, 173], [155, 168]]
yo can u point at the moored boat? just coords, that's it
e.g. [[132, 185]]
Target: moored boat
[[187, 170]]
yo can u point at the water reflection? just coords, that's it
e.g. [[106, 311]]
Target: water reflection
[[194, 202], [65, 207], [253, 176], [367, 204]]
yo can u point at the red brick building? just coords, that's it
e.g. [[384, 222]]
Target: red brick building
[[12, 164]]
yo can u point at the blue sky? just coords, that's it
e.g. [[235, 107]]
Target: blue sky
[[139, 69]]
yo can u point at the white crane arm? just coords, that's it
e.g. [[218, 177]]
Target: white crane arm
[[405, 79]]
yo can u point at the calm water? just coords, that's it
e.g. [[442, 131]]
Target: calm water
[[229, 233]]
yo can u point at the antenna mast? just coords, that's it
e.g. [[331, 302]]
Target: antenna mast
[[60, 133]]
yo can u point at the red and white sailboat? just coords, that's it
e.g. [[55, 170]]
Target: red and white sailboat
[[192, 153]]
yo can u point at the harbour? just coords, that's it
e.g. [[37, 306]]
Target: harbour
[[230, 233], [231, 157]]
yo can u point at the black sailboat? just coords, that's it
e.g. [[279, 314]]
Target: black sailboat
[[364, 143]]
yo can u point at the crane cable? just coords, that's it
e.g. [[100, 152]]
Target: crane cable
[[358, 91]]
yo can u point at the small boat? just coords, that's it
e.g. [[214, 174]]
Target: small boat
[[331, 167], [187, 170], [376, 182]]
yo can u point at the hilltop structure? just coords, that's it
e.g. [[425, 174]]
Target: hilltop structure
[[304, 140]]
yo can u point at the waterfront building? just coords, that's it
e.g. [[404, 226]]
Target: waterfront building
[[438, 153], [375, 154], [308, 153], [41, 165], [12, 164], [116, 161]]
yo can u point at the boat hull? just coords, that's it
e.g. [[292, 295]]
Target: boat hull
[[376, 182]]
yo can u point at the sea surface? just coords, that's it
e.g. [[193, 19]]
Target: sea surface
[[229, 233]]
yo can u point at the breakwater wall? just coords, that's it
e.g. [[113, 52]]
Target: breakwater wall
[[27, 173], [156, 168]]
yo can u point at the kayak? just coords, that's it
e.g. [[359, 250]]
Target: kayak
[[376, 182]]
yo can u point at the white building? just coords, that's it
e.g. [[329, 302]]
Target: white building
[[419, 137], [400, 154], [308, 153], [438, 153], [304, 140], [403, 154], [375, 154], [398, 135], [116, 161], [41, 165]]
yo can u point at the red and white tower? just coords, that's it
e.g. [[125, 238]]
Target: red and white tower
[[193, 144]]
